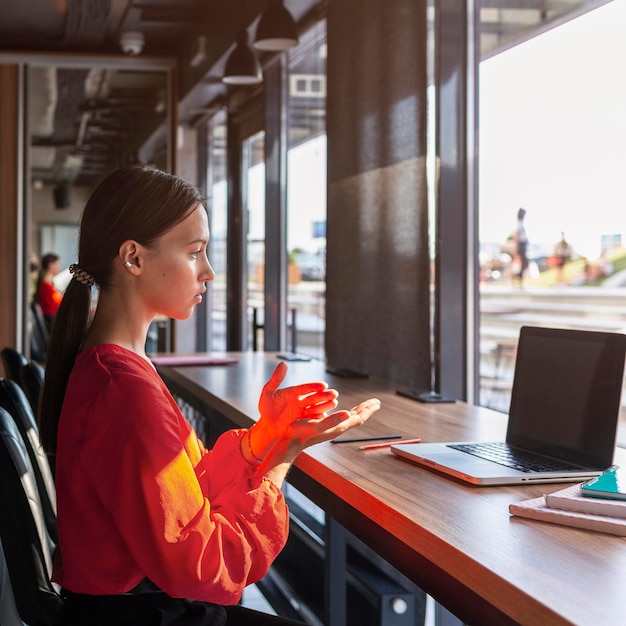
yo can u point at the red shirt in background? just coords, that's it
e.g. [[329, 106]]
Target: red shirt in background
[[48, 297]]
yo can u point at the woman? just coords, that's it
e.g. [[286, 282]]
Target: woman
[[146, 515], [47, 296]]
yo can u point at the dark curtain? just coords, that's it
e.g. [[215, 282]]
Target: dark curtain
[[378, 263]]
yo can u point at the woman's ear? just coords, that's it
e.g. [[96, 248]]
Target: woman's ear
[[129, 254]]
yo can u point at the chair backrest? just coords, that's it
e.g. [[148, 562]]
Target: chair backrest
[[8, 611], [31, 379], [14, 401], [13, 361], [23, 530], [39, 334]]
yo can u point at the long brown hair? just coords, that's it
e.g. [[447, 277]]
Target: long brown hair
[[135, 202]]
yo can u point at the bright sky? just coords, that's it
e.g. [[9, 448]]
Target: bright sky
[[553, 134]]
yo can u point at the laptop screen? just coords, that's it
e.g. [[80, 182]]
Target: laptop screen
[[566, 394]]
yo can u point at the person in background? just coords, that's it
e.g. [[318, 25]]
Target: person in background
[[47, 296], [521, 249], [562, 255], [154, 528]]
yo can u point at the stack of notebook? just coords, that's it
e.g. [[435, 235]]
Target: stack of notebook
[[596, 504]]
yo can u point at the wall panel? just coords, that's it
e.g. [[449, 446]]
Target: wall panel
[[9, 80]]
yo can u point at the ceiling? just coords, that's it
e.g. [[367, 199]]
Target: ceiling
[[86, 121]]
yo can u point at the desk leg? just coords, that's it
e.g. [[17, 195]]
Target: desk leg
[[335, 573]]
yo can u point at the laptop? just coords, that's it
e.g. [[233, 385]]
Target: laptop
[[563, 416]]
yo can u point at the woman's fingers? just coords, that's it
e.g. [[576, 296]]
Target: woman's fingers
[[366, 408], [312, 431], [359, 414], [319, 403], [304, 413], [303, 433], [277, 377]]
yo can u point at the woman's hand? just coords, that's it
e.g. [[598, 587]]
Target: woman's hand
[[308, 432], [305, 432], [280, 408]]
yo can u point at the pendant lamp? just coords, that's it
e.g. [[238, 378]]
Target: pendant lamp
[[242, 66], [277, 29]]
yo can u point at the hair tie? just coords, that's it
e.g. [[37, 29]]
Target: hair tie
[[83, 277]]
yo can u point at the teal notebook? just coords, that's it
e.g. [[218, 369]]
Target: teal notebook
[[610, 484]]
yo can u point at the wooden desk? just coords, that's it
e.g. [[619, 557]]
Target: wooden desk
[[457, 542]]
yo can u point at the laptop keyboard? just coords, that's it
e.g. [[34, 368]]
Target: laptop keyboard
[[501, 453]]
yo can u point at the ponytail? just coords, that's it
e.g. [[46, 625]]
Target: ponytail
[[66, 337]]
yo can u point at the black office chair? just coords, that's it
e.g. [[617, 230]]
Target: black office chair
[[8, 611], [39, 334], [14, 401], [13, 361], [31, 379], [23, 530]]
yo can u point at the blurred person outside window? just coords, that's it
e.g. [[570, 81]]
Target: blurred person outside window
[[520, 260]]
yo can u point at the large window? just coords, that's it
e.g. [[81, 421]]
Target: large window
[[551, 131], [306, 194]]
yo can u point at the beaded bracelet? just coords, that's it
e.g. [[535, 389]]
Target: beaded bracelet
[[252, 454]]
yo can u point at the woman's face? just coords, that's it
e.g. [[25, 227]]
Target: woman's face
[[176, 267], [54, 268]]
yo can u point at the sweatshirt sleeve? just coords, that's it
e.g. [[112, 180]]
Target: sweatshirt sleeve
[[199, 523]]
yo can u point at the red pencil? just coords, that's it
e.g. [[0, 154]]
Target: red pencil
[[373, 446]]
